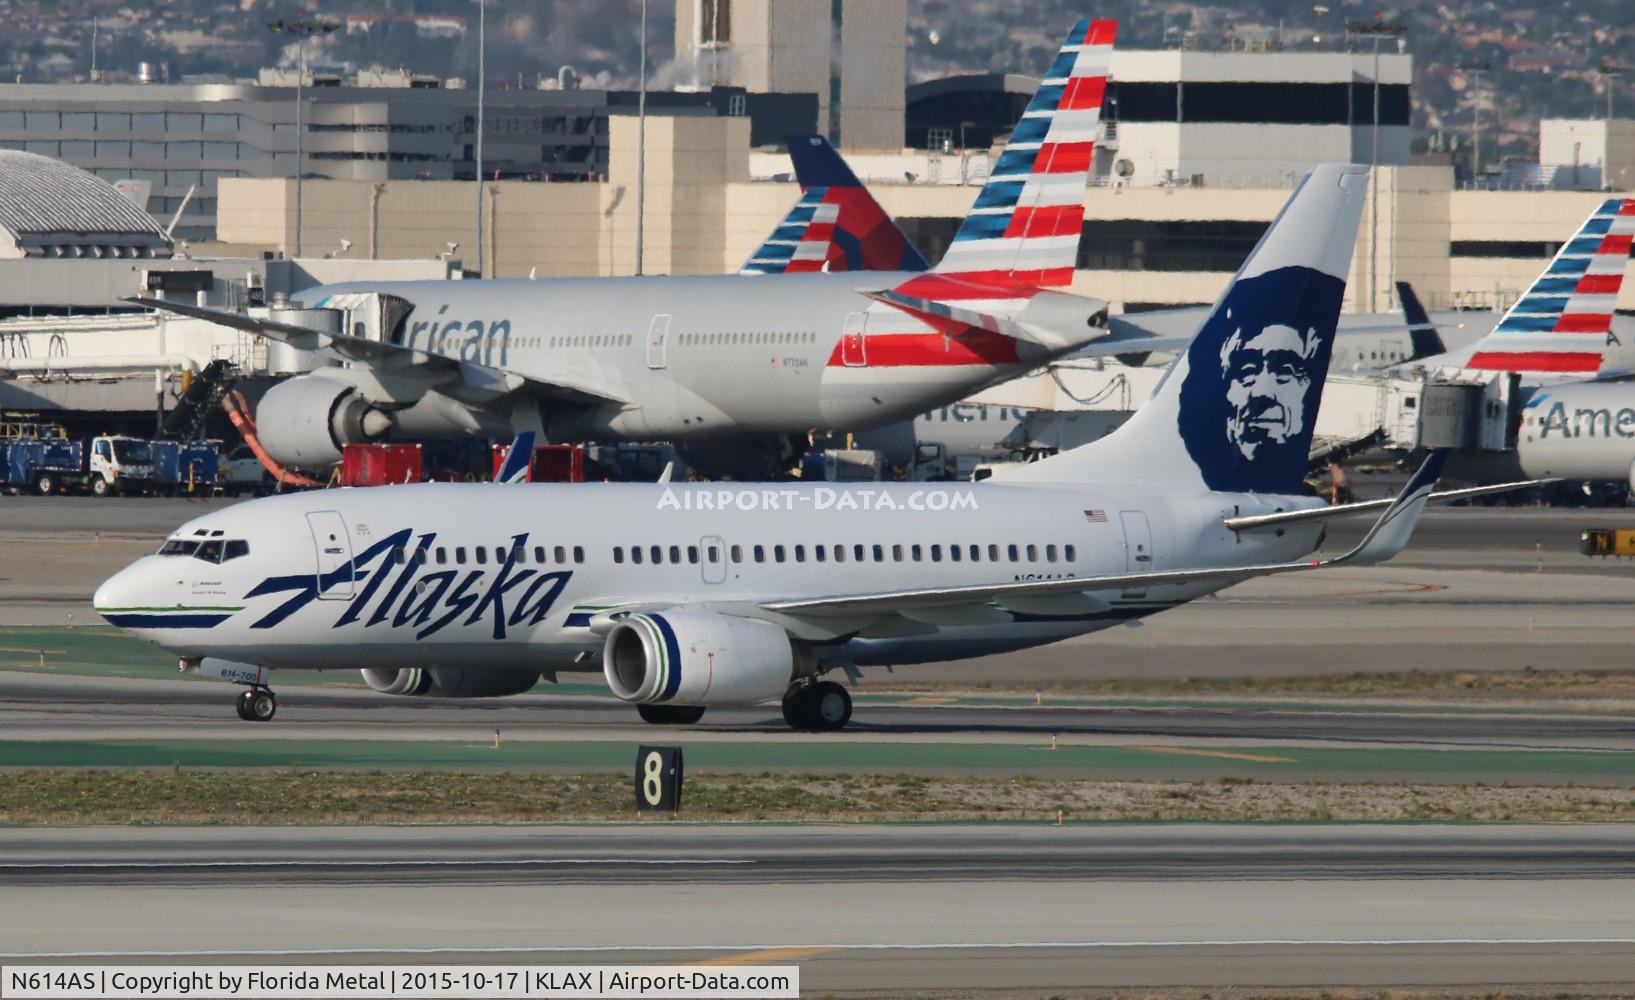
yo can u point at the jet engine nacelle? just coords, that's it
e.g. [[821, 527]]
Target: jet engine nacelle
[[450, 682], [305, 421], [698, 658]]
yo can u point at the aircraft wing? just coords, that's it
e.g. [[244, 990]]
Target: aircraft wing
[[388, 356], [1388, 536]]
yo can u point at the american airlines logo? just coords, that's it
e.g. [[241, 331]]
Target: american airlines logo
[[1587, 422], [398, 594]]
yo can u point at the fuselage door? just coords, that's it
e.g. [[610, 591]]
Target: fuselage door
[[658, 340], [334, 552], [852, 350], [712, 559], [1138, 556]]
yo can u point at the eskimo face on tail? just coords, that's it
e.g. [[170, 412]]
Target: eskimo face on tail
[[1255, 378]]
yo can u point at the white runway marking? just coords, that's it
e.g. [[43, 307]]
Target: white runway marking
[[404, 863]]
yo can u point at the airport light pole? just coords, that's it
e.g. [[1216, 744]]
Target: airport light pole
[[1476, 68], [482, 73], [1607, 71], [302, 29], [1375, 30], [641, 144]]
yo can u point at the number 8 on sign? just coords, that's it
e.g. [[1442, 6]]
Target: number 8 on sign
[[658, 779]]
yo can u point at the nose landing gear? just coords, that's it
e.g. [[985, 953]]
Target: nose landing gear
[[257, 704]]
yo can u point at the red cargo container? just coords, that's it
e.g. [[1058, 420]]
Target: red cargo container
[[380, 464], [553, 463]]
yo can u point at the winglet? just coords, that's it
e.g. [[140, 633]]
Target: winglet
[[1390, 534], [518, 459]]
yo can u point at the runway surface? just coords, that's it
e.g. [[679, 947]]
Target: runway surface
[[926, 908]]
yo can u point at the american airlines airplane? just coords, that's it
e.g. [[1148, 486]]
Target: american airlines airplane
[[687, 596], [688, 359]]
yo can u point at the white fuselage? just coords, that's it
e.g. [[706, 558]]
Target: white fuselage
[[497, 576]]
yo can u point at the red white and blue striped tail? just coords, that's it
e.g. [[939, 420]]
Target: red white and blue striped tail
[[1561, 324], [1023, 232]]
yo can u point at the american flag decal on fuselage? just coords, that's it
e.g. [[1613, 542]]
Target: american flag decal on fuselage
[[1561, 324]]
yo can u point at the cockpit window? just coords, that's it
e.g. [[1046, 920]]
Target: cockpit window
[[178, 547], [210, 551], [235, 548]]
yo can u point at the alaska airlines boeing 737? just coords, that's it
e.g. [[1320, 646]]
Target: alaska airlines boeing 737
[[686, 596], [685, 359]]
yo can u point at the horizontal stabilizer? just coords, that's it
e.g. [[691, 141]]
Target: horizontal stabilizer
[[1251, 522], [1055, 321]]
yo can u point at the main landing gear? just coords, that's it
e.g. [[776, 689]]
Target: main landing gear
[[670, 715], [257, 704], [823, 706]]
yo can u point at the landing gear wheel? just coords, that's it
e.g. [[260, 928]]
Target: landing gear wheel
[[831, 706], [670, 715], [243, 706], [260, 706], [821, 707]]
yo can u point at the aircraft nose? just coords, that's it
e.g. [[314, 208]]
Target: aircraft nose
[[123, 592]]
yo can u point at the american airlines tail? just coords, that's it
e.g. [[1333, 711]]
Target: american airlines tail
[[836, 225], [1563, 324], [1235, 412], [1022, 234]]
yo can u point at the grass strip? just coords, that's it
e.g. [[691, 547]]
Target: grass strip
[[299, 796]]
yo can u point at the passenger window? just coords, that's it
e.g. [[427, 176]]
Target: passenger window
[[1050, 553], [539, 554], [777, 553], [420, 556], [398, 555], [1033, 553], [656, 553], [896, 553], [857, 553], [520, 554], [1010, 550], [953, 552], [993, 553], [879, 553], [936, 553], [800, 553], [578, 554], [636, 554], [442, 555], [712, 553], [561, 556], [1069, 553], [840, 553], [499, 554], [976, 553], [760, 554], [818, 552], [618, 553], [460, 554], [692, 555], [236, 548], [914, 552], [482, 555], [675, 554], [737, 553]]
